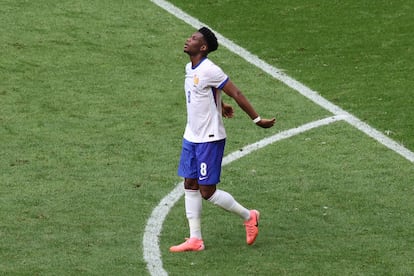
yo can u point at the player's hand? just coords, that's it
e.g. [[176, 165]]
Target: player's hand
[[227, 111], [266, 123]]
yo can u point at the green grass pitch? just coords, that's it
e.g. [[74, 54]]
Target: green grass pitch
[[92, 114]]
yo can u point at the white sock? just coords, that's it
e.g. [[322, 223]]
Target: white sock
[[227, 202], [193, 206]]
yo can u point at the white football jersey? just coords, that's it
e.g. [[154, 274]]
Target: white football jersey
[[203, 85]]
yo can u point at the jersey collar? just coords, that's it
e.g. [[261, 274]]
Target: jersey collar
[[203, 59]]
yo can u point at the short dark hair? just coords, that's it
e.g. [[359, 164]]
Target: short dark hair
[[210, 38]]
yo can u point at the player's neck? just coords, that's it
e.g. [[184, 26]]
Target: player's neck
[[195, 60]]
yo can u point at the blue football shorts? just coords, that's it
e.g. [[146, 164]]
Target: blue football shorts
[[202, 161]]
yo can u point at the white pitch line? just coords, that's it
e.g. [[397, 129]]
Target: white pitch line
[[294, 84], [279, 136], [151, 248], [154, 225]]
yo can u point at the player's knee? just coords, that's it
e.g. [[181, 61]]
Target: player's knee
[[206, 196], [207, 191], [191, 184]]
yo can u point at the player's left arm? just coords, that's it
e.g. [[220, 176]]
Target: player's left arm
[[231, 89]]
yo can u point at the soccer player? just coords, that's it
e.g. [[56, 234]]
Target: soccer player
[[205, 136]]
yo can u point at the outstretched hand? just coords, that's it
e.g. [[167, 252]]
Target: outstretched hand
[[266, 123]]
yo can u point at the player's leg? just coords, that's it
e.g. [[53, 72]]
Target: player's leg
[[193, 207], [192, 199], [209, 158], [226, 201]]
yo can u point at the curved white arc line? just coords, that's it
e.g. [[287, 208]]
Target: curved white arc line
[[154, 225], [151, 249]]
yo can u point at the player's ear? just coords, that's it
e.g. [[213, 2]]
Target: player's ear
[[203, 48]]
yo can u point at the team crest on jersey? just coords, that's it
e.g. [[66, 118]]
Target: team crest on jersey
[[196, 80]]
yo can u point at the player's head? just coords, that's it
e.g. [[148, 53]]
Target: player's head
[[201, 42], [210, 38]]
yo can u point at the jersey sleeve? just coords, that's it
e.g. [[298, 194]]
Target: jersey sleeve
[[216, 77]]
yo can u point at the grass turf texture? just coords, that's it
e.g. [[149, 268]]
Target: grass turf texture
[[91, 123], [84, 101], [359, 56], [324, 212]]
